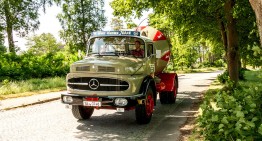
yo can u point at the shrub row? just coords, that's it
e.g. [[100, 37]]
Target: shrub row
[[237, 115], [26, 66], [224, 77]]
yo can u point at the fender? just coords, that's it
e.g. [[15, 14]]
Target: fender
[[148, 81], [170, 80]]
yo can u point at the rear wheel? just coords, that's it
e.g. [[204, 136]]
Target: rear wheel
[[144, 111], [82, 112], [168, 97]]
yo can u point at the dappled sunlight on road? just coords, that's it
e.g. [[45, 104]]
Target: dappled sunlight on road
[[51, 121]]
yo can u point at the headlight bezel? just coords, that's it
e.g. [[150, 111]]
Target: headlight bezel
[[120, 102], [67, 99]]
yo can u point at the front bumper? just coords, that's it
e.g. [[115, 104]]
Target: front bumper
[[107, 102]]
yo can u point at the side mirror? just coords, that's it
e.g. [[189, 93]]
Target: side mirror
[[158, 54]]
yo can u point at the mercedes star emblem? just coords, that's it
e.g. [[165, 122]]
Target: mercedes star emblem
[[93, 84]]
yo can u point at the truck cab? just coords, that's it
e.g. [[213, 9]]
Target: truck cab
[[112, 76]]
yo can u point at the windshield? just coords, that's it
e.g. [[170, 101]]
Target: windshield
[[118, 46]]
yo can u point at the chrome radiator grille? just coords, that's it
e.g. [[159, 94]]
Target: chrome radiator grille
[[97, 84]]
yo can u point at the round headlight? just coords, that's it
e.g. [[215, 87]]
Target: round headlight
[[121, 101], [68, 99]]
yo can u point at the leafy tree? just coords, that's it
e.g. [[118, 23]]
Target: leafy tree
[[78, 19], [20, 16], [2, 47], [45, 3], [42, 44], [131, 25], [185, 54], [197, 19], [116, 23], [257, 7]]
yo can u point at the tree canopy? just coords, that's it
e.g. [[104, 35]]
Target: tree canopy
[[2, 47], [220, 22], [20, 16], [78, 19], [116, 23], [43, 44]]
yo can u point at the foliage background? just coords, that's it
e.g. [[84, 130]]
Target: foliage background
[[233, 113], [26, 66]]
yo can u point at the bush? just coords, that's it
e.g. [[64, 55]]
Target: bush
[[219, 63], [242, 74], [237, 116], [207, 64], [27, 66], [223, 78]]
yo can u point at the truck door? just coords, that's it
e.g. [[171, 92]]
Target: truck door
[[152, 57]]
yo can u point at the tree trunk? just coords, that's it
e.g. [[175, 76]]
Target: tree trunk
[[257, 7], [224, 35], [84, 40], [199, 52], [9, 27], [232, 38]]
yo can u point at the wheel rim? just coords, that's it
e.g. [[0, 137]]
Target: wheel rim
[[149, 105]]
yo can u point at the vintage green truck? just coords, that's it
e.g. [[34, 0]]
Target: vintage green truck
[[111, 77]]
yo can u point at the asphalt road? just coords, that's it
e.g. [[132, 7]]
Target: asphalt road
[[52, 121]]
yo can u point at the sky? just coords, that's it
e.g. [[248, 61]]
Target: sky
[[50, 24]]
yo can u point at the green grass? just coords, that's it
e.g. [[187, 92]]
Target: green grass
[[252, 78], [29, 87]]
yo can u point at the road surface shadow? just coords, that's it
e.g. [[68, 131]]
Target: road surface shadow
[[180, 78], [211, 79], [166, 120], [201, 85], [116, 126]]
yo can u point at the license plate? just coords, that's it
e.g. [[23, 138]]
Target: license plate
[[92, 103], [120, 109]]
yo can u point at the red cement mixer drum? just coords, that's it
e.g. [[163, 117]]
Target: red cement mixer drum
[[160, 43]]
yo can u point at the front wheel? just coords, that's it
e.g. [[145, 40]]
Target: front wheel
[[144, 111], [82, 112]]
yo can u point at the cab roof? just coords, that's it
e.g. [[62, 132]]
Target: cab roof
[[136, 34]]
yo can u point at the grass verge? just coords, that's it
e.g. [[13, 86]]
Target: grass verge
[[190, 128], [15, 89]]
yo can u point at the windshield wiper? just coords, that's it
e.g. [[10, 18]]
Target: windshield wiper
[[96, 54], [113, 53]]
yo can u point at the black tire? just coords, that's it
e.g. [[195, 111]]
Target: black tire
[[168, 97], [164, 98], [82, 112], [144, 111]]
